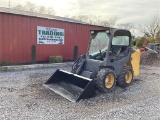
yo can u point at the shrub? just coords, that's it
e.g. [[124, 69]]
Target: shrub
[[59, 59], [133, 42], [33, 53], [55, 59], [152, 40], [4, 63], [140, 42], [75, 52], [51, 59]]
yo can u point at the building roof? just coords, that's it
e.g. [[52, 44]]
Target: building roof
[[33, 14]]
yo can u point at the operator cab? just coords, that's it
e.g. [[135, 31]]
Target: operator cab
[[98, 45], [102, 41], [120, 44]]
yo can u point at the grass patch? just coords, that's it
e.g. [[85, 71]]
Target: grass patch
[[4, 63]]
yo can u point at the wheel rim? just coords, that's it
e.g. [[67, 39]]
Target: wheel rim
[[128, 77], [109, 81]]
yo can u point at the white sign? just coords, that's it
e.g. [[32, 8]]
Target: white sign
[[47, 35]]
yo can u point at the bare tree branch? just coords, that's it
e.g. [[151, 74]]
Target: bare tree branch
[[42, 9], [29, 6], [127, 26], [152, 28], [50, 11], [18, 7], [93, 19]]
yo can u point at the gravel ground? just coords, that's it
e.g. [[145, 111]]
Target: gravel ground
[[22, 97], [150, 58]]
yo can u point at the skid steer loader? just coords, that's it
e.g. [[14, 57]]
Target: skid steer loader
[[110, 60]]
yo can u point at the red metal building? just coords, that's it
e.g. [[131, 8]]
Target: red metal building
[[18, 31]]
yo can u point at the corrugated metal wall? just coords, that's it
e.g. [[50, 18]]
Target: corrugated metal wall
[[18, 33]]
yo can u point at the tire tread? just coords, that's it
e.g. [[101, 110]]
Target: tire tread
[[100, 80], [121, 78]]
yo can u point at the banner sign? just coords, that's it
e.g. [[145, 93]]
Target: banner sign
[[47, 35]]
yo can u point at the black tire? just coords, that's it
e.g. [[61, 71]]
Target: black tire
[[101, 77], [121, 79]]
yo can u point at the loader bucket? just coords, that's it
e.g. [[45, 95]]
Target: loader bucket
[[71, 86]]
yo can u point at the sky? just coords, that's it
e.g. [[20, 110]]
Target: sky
[[127, 11]]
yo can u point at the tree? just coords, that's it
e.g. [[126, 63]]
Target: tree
[[158, 34], [134, 43], [105, 23], [109, 23], [127, 26], [29, 6], [140, 41], [50, 11], [18, 7], [41, 9], [96, 20], [92, 19], [112, 21], [152, 28]]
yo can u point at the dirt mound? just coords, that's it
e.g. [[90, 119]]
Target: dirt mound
[[150, 58]]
